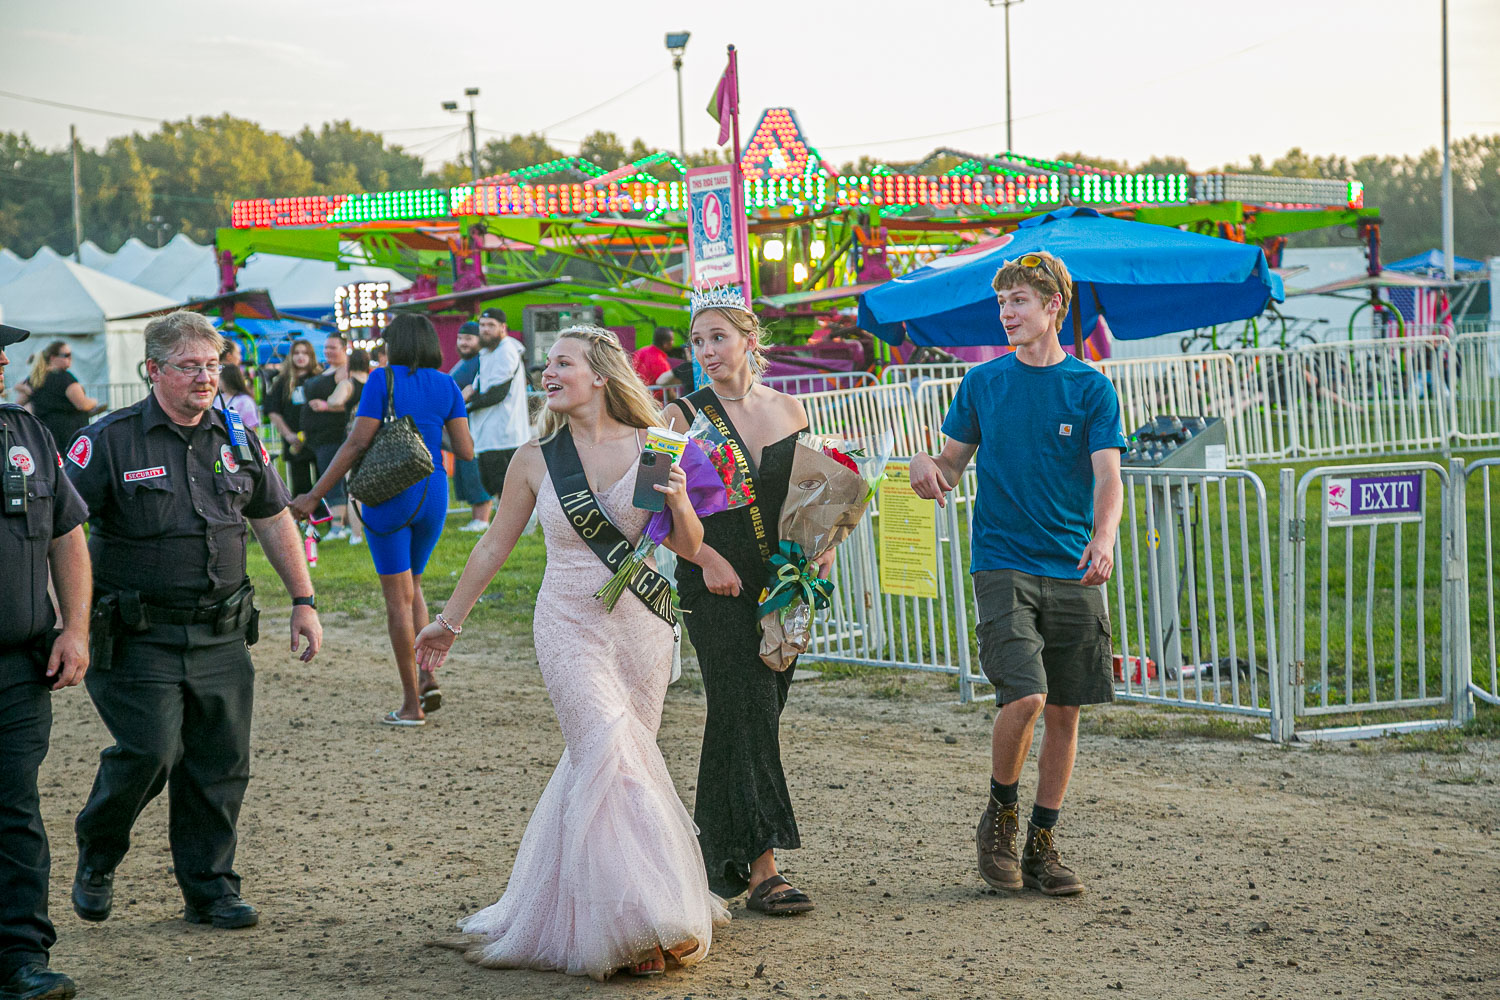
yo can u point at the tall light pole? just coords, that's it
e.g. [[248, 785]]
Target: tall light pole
[[1008, 4], [677, 44], [1448, 258], [470, 93]]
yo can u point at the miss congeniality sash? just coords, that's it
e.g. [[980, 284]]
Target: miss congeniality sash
[[596, 529]]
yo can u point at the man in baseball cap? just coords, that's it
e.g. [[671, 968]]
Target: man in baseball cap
[[12, 335]]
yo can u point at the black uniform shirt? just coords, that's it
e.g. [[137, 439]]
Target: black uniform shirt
[[168, 503], [53, 508]]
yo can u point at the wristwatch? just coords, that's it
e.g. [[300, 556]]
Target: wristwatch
[[310, 601]]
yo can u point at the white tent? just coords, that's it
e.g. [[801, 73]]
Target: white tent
[[180, 270], [63, 300], [10, 264], [94, 256], [128, 261]]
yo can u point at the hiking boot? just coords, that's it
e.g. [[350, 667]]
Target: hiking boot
[[999, 865], [1042, 867]]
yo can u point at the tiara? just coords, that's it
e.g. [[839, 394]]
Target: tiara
[[717, 297]]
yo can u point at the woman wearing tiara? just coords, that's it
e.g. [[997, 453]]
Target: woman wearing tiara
[[608, 875], [743, 810]]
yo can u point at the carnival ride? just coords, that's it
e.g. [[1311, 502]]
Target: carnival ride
[[611, 246]]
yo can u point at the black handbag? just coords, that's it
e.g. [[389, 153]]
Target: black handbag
[[397, 458]]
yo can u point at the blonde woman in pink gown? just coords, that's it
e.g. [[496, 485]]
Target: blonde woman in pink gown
[[608, 876]]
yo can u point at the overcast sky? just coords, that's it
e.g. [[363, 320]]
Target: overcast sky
[[1209, 80]]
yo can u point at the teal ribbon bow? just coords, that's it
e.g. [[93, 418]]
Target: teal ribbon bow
[[793, 578]]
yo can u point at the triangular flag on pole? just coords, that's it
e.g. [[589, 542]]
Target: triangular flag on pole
[[725, 102]]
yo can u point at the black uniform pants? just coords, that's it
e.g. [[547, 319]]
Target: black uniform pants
[[177, 701], [26, 935]]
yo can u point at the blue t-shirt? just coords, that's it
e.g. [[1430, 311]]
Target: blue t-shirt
[[465, 371], [1036, 429], [428, 396]]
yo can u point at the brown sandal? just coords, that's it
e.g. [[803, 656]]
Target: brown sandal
[[778, 904]]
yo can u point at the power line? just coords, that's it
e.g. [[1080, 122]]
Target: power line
[[601, 104], [80, 107]]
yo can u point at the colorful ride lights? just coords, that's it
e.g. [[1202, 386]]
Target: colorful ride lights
[[773, 250]]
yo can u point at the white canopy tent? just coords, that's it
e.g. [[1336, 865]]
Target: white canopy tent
[[59, 299]]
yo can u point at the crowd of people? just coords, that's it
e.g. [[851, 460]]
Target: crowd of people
[[611, 874]]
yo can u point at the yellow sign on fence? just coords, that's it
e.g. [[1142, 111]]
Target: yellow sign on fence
[[908, 537]]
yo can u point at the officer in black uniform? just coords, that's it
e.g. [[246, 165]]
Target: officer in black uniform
[[41, 527], [170, 483]]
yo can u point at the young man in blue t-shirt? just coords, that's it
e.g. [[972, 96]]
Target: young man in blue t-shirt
[[1046, 427]]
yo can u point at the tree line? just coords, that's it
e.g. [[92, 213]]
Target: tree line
[[183, 177]]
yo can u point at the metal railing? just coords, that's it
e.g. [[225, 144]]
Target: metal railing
[[801, 385], [1479, 668], [1192, 597], [1373, 397]]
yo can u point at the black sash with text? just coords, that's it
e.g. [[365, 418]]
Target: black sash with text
[[721, 424], [596, 529]]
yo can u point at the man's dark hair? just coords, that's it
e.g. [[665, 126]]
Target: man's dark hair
[[411, 341], [359, 360], [662, 338]]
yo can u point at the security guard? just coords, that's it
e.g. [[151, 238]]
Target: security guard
[[170, 483], [41, 526]]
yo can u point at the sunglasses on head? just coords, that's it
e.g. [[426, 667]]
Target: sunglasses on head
[[1039, 262]]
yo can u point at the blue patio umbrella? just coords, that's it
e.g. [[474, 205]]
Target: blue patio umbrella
[[1145, 279]]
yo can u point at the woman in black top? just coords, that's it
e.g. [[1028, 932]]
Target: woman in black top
[[57, 398], [743, 809], [284, 409]]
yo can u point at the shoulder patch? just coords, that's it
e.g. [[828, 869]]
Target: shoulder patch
[[81, 452], [20, 459]]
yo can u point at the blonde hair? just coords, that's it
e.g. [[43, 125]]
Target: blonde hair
[[1047, 279], [749, 327], [41, 363], [625, 395]]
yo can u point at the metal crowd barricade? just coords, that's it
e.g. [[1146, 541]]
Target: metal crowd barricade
[[115, 395], [865, 625], [1192, 606], [865, 413], [1375, 589], [1476, 394], [799, 385], [1193, 385], [1477, 674], [1373, 397], [1265, 403], [918, 374]]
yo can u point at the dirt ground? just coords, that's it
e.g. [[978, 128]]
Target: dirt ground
[[1215, 867]]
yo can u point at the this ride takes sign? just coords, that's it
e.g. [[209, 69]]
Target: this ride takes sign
[[712, 234], [1363, 499]]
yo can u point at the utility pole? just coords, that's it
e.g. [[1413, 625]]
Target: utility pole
[[677, 44], [1008, 4], [470, 93], [77, 209], [1448, 257]]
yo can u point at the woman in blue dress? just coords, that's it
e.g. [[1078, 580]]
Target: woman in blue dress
[[403, 531]]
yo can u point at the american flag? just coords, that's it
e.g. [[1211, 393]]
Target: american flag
[[1422, 307]]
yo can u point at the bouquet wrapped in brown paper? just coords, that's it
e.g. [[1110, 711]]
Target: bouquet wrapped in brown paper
[[827, 496]]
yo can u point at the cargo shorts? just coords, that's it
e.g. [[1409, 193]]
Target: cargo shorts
[[1040, 635]]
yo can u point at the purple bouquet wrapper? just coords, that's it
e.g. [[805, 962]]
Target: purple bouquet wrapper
[[704, 487]]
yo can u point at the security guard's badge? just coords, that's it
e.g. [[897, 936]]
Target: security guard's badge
[[226, 455], [20, 459], [81, 452]]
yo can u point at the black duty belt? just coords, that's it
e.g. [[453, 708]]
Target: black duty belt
[[184, 616]]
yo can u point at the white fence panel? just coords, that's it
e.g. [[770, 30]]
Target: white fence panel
[[1374, 397], [1477, 389], [1195, 385]]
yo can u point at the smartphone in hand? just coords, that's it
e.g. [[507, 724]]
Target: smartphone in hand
[[652, 471], [321, 514]]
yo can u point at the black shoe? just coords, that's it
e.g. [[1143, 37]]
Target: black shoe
[[93, 893], [226, 912], [34, 981]]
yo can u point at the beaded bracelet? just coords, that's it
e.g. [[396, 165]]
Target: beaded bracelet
[[442, 620]]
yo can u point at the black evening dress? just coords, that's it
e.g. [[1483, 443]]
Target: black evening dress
[[742, 809]]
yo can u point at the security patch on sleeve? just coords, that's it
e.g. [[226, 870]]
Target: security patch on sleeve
[[81, 452]]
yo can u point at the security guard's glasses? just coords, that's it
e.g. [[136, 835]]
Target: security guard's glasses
[[193, 371]]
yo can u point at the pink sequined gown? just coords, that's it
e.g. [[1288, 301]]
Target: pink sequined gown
[[609, 865]]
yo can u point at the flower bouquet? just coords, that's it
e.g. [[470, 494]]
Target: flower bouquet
[[705, 490], [830, 489], [720, 454]]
